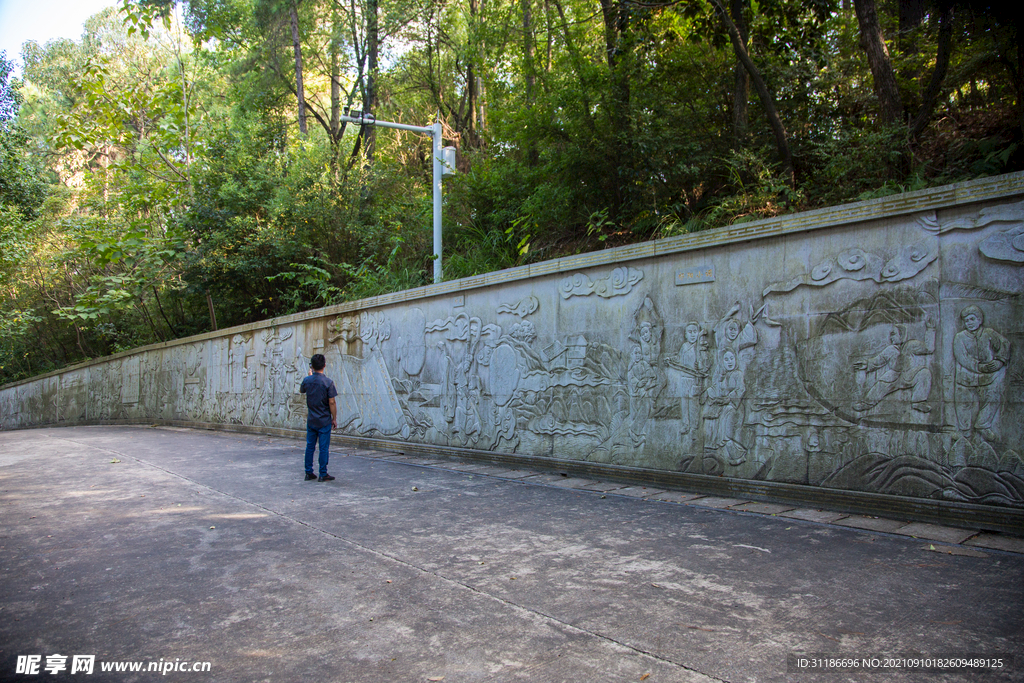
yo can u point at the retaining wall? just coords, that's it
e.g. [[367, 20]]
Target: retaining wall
[[867, 357]]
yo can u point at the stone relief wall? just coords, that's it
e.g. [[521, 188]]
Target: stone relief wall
[[882, 355]]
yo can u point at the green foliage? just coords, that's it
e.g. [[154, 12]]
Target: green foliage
[[21, 187], [372, 279], [19, 357], [308, 285], [10, 98]]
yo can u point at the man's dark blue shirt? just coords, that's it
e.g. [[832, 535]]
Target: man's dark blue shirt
[[318, 388]]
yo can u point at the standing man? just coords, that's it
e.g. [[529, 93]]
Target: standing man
[[981, 356], [323, 415]]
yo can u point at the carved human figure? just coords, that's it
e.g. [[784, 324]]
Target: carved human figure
[[692, 364], [460, 396], [900, 366], [650, 342], [732, 332], [740, 338], [451, 382], [236, 360], [647, 331], [467, 418], [724, 411], [643, 381], [981, 356]]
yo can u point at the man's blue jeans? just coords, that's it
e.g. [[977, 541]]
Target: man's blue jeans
[[323, 435]]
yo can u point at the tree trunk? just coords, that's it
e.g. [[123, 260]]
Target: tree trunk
[[528, 52], [873, 43], [741, 87], [931, 95], [767, 101], [911, 14], [213, 316], [160, 307], [481, 89], [369, 133], [149, 319], [550, 33], [615, 23], [299, 92], [472, 96], [335, 79], [578, 61], [1017, 74], [616, 27], [335, 131], [482, 99]]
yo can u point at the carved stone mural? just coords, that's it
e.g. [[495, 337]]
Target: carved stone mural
[[885, 357]]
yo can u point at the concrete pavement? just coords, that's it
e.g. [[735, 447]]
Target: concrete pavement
[[138, 544]]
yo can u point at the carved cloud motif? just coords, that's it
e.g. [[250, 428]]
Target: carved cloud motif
[[1006, 245], [374, 329], [619, 283], [456, 328], [1004, 213], [857, 264], [345, 329], [522, 309]]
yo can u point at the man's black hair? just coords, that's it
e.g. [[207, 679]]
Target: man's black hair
[[318, 362]]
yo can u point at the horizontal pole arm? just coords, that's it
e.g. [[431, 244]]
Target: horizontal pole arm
[[388, 124]]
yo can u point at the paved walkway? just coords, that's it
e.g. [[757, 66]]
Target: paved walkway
[[949, 537], [139, 544]]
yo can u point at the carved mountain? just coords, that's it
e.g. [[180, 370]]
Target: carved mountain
[[901, 305]]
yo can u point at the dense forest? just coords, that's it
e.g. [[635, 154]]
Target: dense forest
[[186, 165]]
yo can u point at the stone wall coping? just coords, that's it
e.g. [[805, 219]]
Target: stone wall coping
[[943, 197]]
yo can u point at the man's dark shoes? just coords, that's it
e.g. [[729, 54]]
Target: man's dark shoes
[[326, 477], [310, 476]]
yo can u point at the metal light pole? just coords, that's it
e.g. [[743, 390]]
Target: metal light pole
[[435, 131], [366, 119]]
